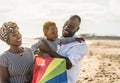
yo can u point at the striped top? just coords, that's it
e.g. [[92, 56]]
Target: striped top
[[18, 66]]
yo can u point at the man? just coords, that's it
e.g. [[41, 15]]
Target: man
[[72, 52]]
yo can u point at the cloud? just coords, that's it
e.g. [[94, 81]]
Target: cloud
[[114, 6], [33, 13], [36, 9]]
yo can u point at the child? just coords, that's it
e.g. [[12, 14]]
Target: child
[[51, 34]]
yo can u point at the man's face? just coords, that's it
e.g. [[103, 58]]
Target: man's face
[[70, 27]]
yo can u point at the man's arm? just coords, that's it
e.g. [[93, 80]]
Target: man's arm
[[70, 39], [56, 55], [45, 48], [76, 52]]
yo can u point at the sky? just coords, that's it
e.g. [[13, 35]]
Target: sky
[[100, 17]]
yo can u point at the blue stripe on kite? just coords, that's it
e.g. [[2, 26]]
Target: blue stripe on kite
[[59, 79]]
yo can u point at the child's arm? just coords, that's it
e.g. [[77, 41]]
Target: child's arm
[[35, 46]]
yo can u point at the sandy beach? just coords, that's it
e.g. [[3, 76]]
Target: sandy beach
[[102, 63]]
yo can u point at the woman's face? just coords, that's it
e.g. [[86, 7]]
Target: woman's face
[[15, 38]]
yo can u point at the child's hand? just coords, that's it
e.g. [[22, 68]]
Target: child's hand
[[80, 39], [40, 53], [36, 52]]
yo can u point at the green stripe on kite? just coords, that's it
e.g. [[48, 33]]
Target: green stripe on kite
[[56, 67]]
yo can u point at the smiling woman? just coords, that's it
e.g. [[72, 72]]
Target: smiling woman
[[17, 61]]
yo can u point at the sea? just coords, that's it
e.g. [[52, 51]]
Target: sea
[[27, 42]]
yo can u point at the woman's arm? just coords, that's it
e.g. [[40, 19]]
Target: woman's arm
[[4, 75], [46, 49]]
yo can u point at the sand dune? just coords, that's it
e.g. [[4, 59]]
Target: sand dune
[[102, 63]]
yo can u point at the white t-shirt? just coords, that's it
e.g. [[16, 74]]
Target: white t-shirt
[[75, 51]]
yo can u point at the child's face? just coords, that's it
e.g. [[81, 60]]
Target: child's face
[[52, 33]]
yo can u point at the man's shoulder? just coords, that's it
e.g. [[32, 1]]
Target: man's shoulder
[[76, 43]]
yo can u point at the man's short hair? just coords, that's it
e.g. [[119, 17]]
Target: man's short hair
[[76, 16]]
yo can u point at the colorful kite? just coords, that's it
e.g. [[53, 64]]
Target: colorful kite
[[49, 70]]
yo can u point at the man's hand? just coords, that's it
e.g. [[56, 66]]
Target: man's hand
[[80, 39]]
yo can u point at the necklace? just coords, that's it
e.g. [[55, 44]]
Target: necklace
[[18, 52]]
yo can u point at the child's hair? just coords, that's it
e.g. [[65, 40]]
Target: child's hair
[[47, 25]]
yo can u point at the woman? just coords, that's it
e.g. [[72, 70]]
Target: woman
[[17, 61]]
